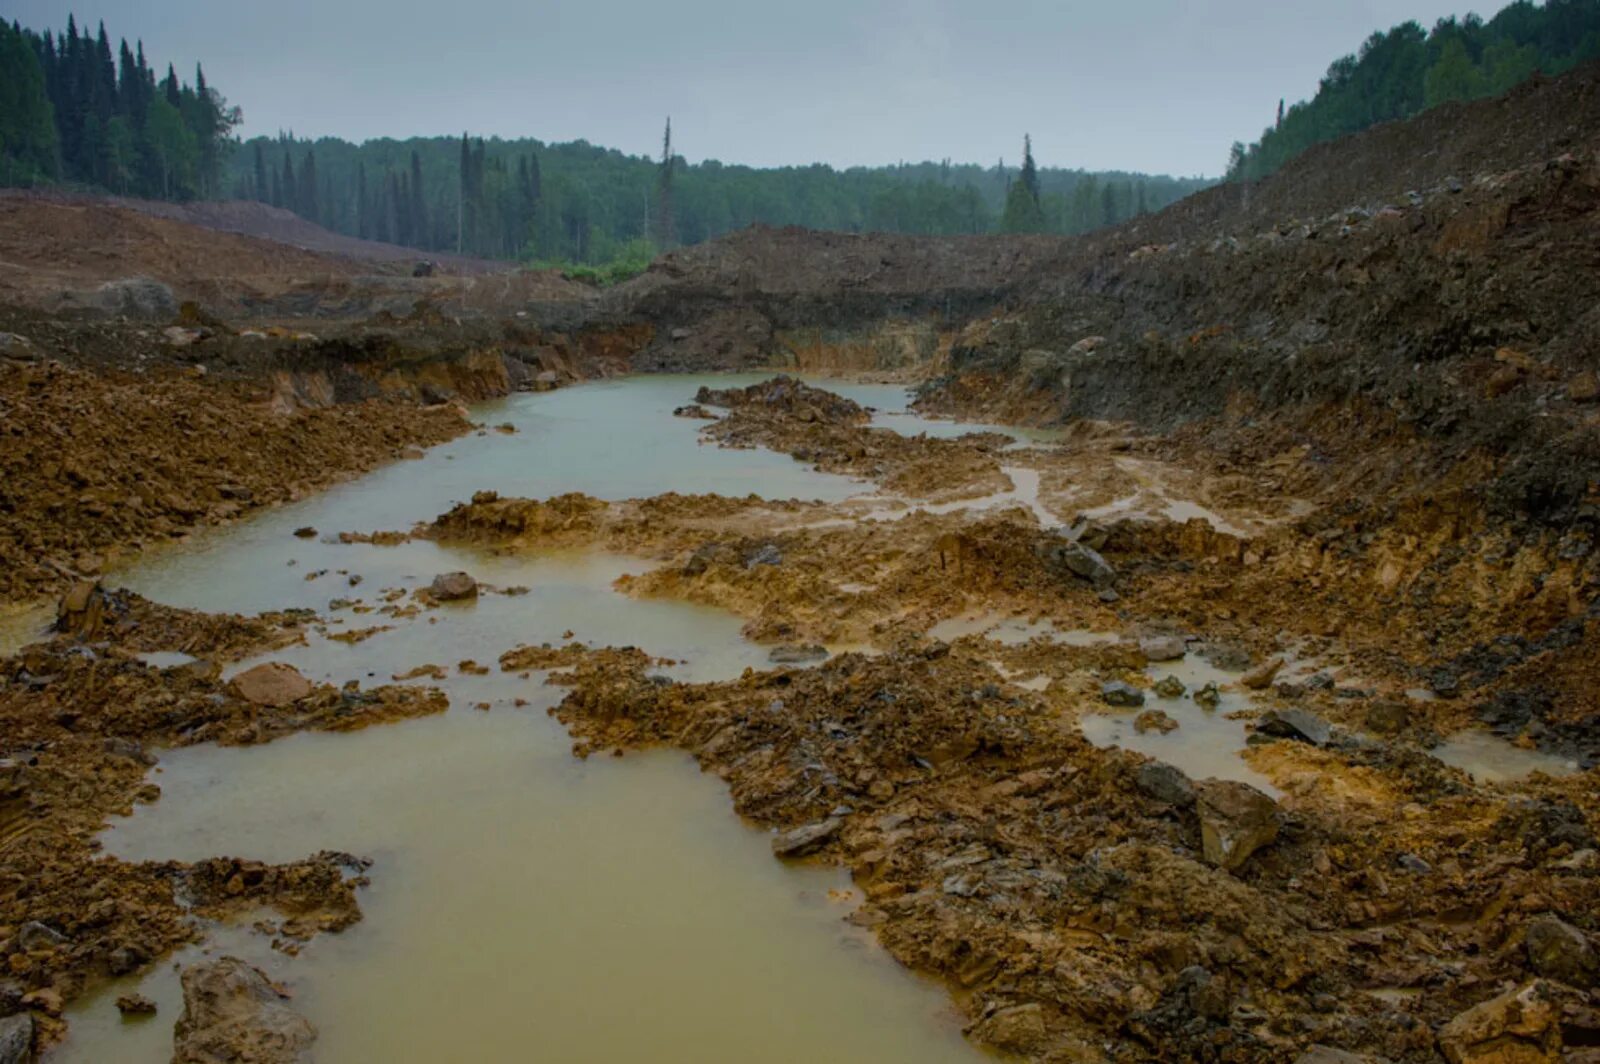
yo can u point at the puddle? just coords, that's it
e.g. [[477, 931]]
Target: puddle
[[600, 910], [891, 404], [1205, 745], [21, 626], [1490, 759], [165, 659]]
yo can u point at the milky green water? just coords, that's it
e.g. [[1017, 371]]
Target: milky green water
[[524, 905]]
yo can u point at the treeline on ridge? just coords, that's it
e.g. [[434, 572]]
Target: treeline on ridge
[[1407, 70]]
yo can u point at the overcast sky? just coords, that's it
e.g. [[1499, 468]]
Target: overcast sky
[[1162, 86]]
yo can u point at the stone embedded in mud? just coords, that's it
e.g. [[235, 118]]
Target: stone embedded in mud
[[1262, 675], [1329, 1055], [1154, 720], [1163, 647], [798, 654], [1236, 820], [272, 684], [1165, 783], [1117, 693], [1557, 950], [1086, 562], [806, 838], [136, 1005], [1170, 687], [1584, 388], [1388, 717], [16, 1039], [1297, 724], [33, 936], [1017, 1029], [1208, 697], [694, 410], [305, 532], [231, 1012], [1518, 1027], [81, 611], [453, 587]]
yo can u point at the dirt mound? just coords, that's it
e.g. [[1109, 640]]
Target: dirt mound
[[238, 259]]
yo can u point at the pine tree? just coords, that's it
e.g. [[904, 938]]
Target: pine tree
[[418, 204], [666, 225], [261, 173]]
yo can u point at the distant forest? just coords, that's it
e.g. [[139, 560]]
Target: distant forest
[[581, 203], [75, 113], [1408, 70]]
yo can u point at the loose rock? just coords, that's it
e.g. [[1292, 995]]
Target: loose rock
[[806, 838], [1117, 693], [231, 1012], [272, 684], [1236, 820], [453, 587]]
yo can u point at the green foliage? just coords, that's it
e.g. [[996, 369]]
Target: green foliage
[[1406, 70], [581, 204], [69, 111], [28, 145]]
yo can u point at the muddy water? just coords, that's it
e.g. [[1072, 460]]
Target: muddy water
[[1205, 745], [523, 904]]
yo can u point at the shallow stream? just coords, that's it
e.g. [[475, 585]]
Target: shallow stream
[[524, 904]]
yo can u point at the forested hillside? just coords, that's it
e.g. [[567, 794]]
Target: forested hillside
[[1403, 72], [72, 112]]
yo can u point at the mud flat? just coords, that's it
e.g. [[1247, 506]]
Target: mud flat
[[1003, 751]]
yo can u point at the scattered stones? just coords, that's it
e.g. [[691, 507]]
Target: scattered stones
[[1260, 677], [1164, 647], [273, 684], [231, 1012], [136, 1005], [1557, 950], [1170, 687], [1154, 720], [453, 587], [1236, 820], [1518, 1027], [1118, 693], [1295, 723], [807, 838], [1165, 783]]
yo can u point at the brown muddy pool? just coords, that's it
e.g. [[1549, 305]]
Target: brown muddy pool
[[523, 904]]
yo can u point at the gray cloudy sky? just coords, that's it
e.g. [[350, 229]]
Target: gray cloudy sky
[[1153, 85]]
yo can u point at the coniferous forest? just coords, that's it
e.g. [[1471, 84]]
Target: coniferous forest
[[1408, 70], [75, 113]]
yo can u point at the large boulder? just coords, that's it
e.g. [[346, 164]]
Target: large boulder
[[232, 1015], [1236, 820], [1520, 1026], [272, 684]]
